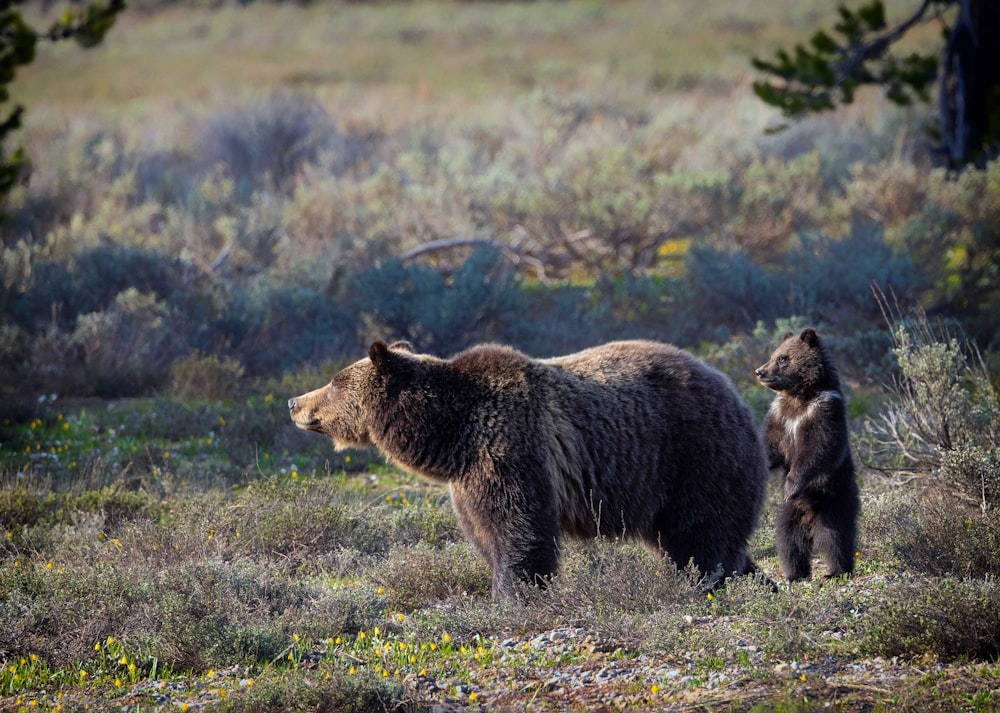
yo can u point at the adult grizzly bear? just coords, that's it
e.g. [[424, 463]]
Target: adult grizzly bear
[[806, 435], [633, 438]]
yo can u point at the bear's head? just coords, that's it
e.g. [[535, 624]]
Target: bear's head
[[799, 366], [345, 409]]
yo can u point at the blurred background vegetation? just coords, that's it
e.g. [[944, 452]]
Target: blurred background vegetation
[[225, 202], [272, 186]]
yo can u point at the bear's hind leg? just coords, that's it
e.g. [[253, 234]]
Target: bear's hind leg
[[715, 559], [793, 539], [533, 563], [835, 541]]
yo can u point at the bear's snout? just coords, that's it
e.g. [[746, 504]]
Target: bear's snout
[[303, 411], [760, 372]]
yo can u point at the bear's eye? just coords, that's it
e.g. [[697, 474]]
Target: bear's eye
[[782, 360]]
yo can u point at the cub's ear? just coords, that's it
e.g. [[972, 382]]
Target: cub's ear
[[788, 335], [402, 346], [810, 337], [378, 352]]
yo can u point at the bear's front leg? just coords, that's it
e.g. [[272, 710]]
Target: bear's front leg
[[793, 486], [517, 534]]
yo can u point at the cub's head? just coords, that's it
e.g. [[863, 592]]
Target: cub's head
[[799, 366], [345, 410]]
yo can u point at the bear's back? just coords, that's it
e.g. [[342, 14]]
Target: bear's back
[[652, 413], [621, 377]]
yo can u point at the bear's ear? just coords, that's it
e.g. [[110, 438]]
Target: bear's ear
[[788, 335], [378, 352], [810, 337], [402, 346]]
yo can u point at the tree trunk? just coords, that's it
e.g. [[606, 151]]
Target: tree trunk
[[970, 85]]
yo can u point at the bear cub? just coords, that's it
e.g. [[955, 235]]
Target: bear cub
[[806, 435]]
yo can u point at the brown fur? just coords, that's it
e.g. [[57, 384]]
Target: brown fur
[[631, 438], [806, 437]]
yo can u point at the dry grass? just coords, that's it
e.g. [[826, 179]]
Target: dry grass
[[431, 57]]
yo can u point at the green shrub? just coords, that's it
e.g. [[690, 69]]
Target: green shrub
[[417, 576], [19, 506], [126, 348], [22, 508], [607, 193], [199, 377], [309, 326], [821, 278], [91, 282], [15, 358], [728, 288], [834, 276], [776, 197], [943, 424], [264, 145], [948, 618], [480, 302], [940, 434], [338, 691], [943, 537], [605, 576]]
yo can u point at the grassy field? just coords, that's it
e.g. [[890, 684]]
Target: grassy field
[[463, 52], [158, 557], [428, 58], [185, 548]]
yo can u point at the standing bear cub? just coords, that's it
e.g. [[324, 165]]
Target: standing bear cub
[[806, 435], [630, 438]]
